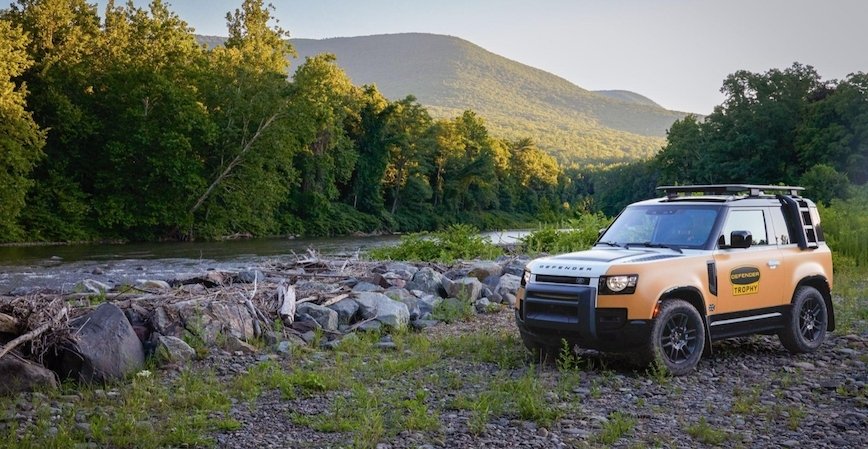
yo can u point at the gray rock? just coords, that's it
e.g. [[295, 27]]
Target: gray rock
[[346, 310], [173, 349], [428, 281], [508, 283], [413, 308], [249, 277], [482, 270], [327, 318], [423, 324], [206, 318], [21, 375], [367, 287], [400, 266], [481, 305], [152, 284], [515, 266], [92, 286], [371, 326], [103, 347], [468, 289], [389, 312], [509, 299], [398, 294]]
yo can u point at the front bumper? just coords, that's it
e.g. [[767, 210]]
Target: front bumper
[[549, 313]]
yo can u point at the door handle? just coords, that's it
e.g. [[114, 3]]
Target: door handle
[[774, 263]]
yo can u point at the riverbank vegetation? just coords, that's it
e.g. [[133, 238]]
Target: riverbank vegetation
[[121, 126]]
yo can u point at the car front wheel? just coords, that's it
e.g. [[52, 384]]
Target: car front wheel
[[677, 337]]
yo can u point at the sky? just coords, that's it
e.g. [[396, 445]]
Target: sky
[[676, 52]]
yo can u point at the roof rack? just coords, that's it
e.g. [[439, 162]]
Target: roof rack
[[752, 190]]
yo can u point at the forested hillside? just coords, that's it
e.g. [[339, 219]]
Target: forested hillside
[[122, 126], [449, 75]]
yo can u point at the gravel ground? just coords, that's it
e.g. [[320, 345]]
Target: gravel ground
[[751, 393]]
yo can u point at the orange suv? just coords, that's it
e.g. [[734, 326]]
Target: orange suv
[[670, 275]]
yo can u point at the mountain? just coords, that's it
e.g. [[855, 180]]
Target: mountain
[[449, 75], [627, 96]]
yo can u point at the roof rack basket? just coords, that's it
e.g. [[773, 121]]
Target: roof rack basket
[[752, 190]]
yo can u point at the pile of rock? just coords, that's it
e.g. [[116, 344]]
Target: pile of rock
[[277, 306]]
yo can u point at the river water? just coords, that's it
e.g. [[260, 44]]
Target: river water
[[60, 267]]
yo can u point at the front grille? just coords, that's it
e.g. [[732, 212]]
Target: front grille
[[563, 279]]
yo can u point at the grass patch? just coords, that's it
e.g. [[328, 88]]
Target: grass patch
[[616, 427], [705, 433], [451, 310], [502, 348]]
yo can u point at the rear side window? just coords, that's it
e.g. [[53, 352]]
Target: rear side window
[[784, 233], [746, 220]]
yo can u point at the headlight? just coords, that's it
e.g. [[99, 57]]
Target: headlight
[[526, 278], [620, 284]]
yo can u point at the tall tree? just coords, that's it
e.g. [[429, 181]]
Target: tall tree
[[63, 37], [248, 168], [21, 140]]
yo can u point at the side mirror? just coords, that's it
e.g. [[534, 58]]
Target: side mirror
[[740, 239], [601, 232]]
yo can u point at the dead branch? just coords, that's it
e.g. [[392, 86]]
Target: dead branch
[[32, 334]]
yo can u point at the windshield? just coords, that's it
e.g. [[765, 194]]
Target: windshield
[[677, 226]]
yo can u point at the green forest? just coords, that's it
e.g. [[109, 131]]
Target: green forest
[[121, 126]]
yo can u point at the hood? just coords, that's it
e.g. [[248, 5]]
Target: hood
[[594, 262]]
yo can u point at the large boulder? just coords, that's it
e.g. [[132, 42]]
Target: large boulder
[[515, 266], [467, 289], [428, 281], [483, 270], [327, 318], [367, 287], [346, 310], [391, 313], [20, 375], [509, 283], [102, 347], [206, 318], [173, 349]]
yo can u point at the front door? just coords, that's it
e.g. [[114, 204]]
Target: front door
[[749, 293]]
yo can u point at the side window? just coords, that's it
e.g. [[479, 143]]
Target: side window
[[746, 220], [782, 232]]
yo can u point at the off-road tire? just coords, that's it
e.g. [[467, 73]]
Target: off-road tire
[[677, 338], [808, 319]]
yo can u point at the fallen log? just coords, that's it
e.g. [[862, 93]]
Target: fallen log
[[286, 299], [8, 324]]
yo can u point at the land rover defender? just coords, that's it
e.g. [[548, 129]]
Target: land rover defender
[[670, 275]]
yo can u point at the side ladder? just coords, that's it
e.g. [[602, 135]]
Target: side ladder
[[799, 214]]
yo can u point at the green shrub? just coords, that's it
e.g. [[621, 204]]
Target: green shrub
[[455, 242], [572, 235]]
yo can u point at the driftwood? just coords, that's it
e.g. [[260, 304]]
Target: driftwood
[[8, 324], [286, 299], [334, 300], [32, 334]]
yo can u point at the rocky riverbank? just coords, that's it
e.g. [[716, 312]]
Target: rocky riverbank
[[392, 355]]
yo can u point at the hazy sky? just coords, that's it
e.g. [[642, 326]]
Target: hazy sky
[[676, 52]]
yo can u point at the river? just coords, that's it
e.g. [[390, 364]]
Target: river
[[60, 267]]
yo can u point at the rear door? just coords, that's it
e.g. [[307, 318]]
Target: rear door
[[749, 279]]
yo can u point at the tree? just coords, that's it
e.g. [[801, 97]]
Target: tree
[[683, 159], [751, 136], [406, 128], [63, 37], [21, 140], [248, 168], [834, 130]]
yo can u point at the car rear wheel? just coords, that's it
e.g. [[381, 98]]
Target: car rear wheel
[[677, 337], [806, 327]]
